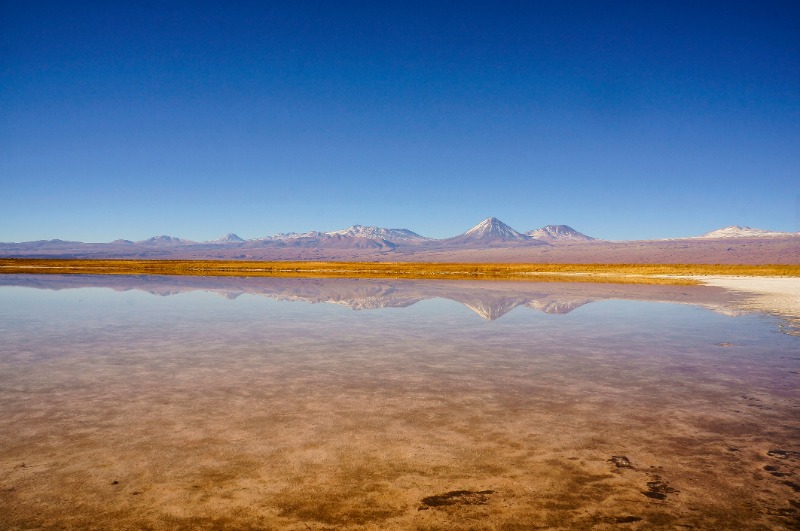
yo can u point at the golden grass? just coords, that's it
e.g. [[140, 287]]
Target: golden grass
[[617, 273]]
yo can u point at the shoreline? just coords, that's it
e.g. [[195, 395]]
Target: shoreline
[[774, 295], [771, 289], [678, 274]]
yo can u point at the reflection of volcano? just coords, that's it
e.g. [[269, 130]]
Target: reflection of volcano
[[489, 299], [490, 307], [561, 306]]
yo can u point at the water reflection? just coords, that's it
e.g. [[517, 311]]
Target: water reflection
[[125, 410], [490, 299]]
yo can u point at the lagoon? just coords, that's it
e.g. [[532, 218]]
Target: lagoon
[[196, 402]]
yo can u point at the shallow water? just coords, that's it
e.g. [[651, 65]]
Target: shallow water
[[168, 402]]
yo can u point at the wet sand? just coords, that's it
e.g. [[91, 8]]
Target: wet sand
[[772, 294], [268, 416]]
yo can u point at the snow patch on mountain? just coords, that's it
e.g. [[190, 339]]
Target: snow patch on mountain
[[735, 231], [559, 233], [228, 238], [378, 233], [494, 229], [283, 236], [164, 239]]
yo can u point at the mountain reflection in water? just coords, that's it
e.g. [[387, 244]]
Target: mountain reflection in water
[[489, 299]]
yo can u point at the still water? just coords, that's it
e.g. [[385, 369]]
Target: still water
[[179, 402]]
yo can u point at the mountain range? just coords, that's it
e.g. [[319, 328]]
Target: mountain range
[[489, 240]]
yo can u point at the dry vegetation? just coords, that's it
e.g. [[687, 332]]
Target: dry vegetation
[[627, 273]]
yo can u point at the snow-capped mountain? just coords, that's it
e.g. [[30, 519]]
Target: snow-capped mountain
[[558, 233], [324, 240], [491, 239], [490, 230], [735, 231], [165, 240], [228, 238], [282, 236], [362, 231]]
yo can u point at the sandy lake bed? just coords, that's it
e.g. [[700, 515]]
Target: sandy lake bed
[[161, 404]]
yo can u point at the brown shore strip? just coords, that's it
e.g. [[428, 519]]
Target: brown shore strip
[[616, 273]]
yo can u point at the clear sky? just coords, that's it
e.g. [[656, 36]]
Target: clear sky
[[623, 119]]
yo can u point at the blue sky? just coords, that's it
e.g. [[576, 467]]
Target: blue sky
[[625, 120]]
